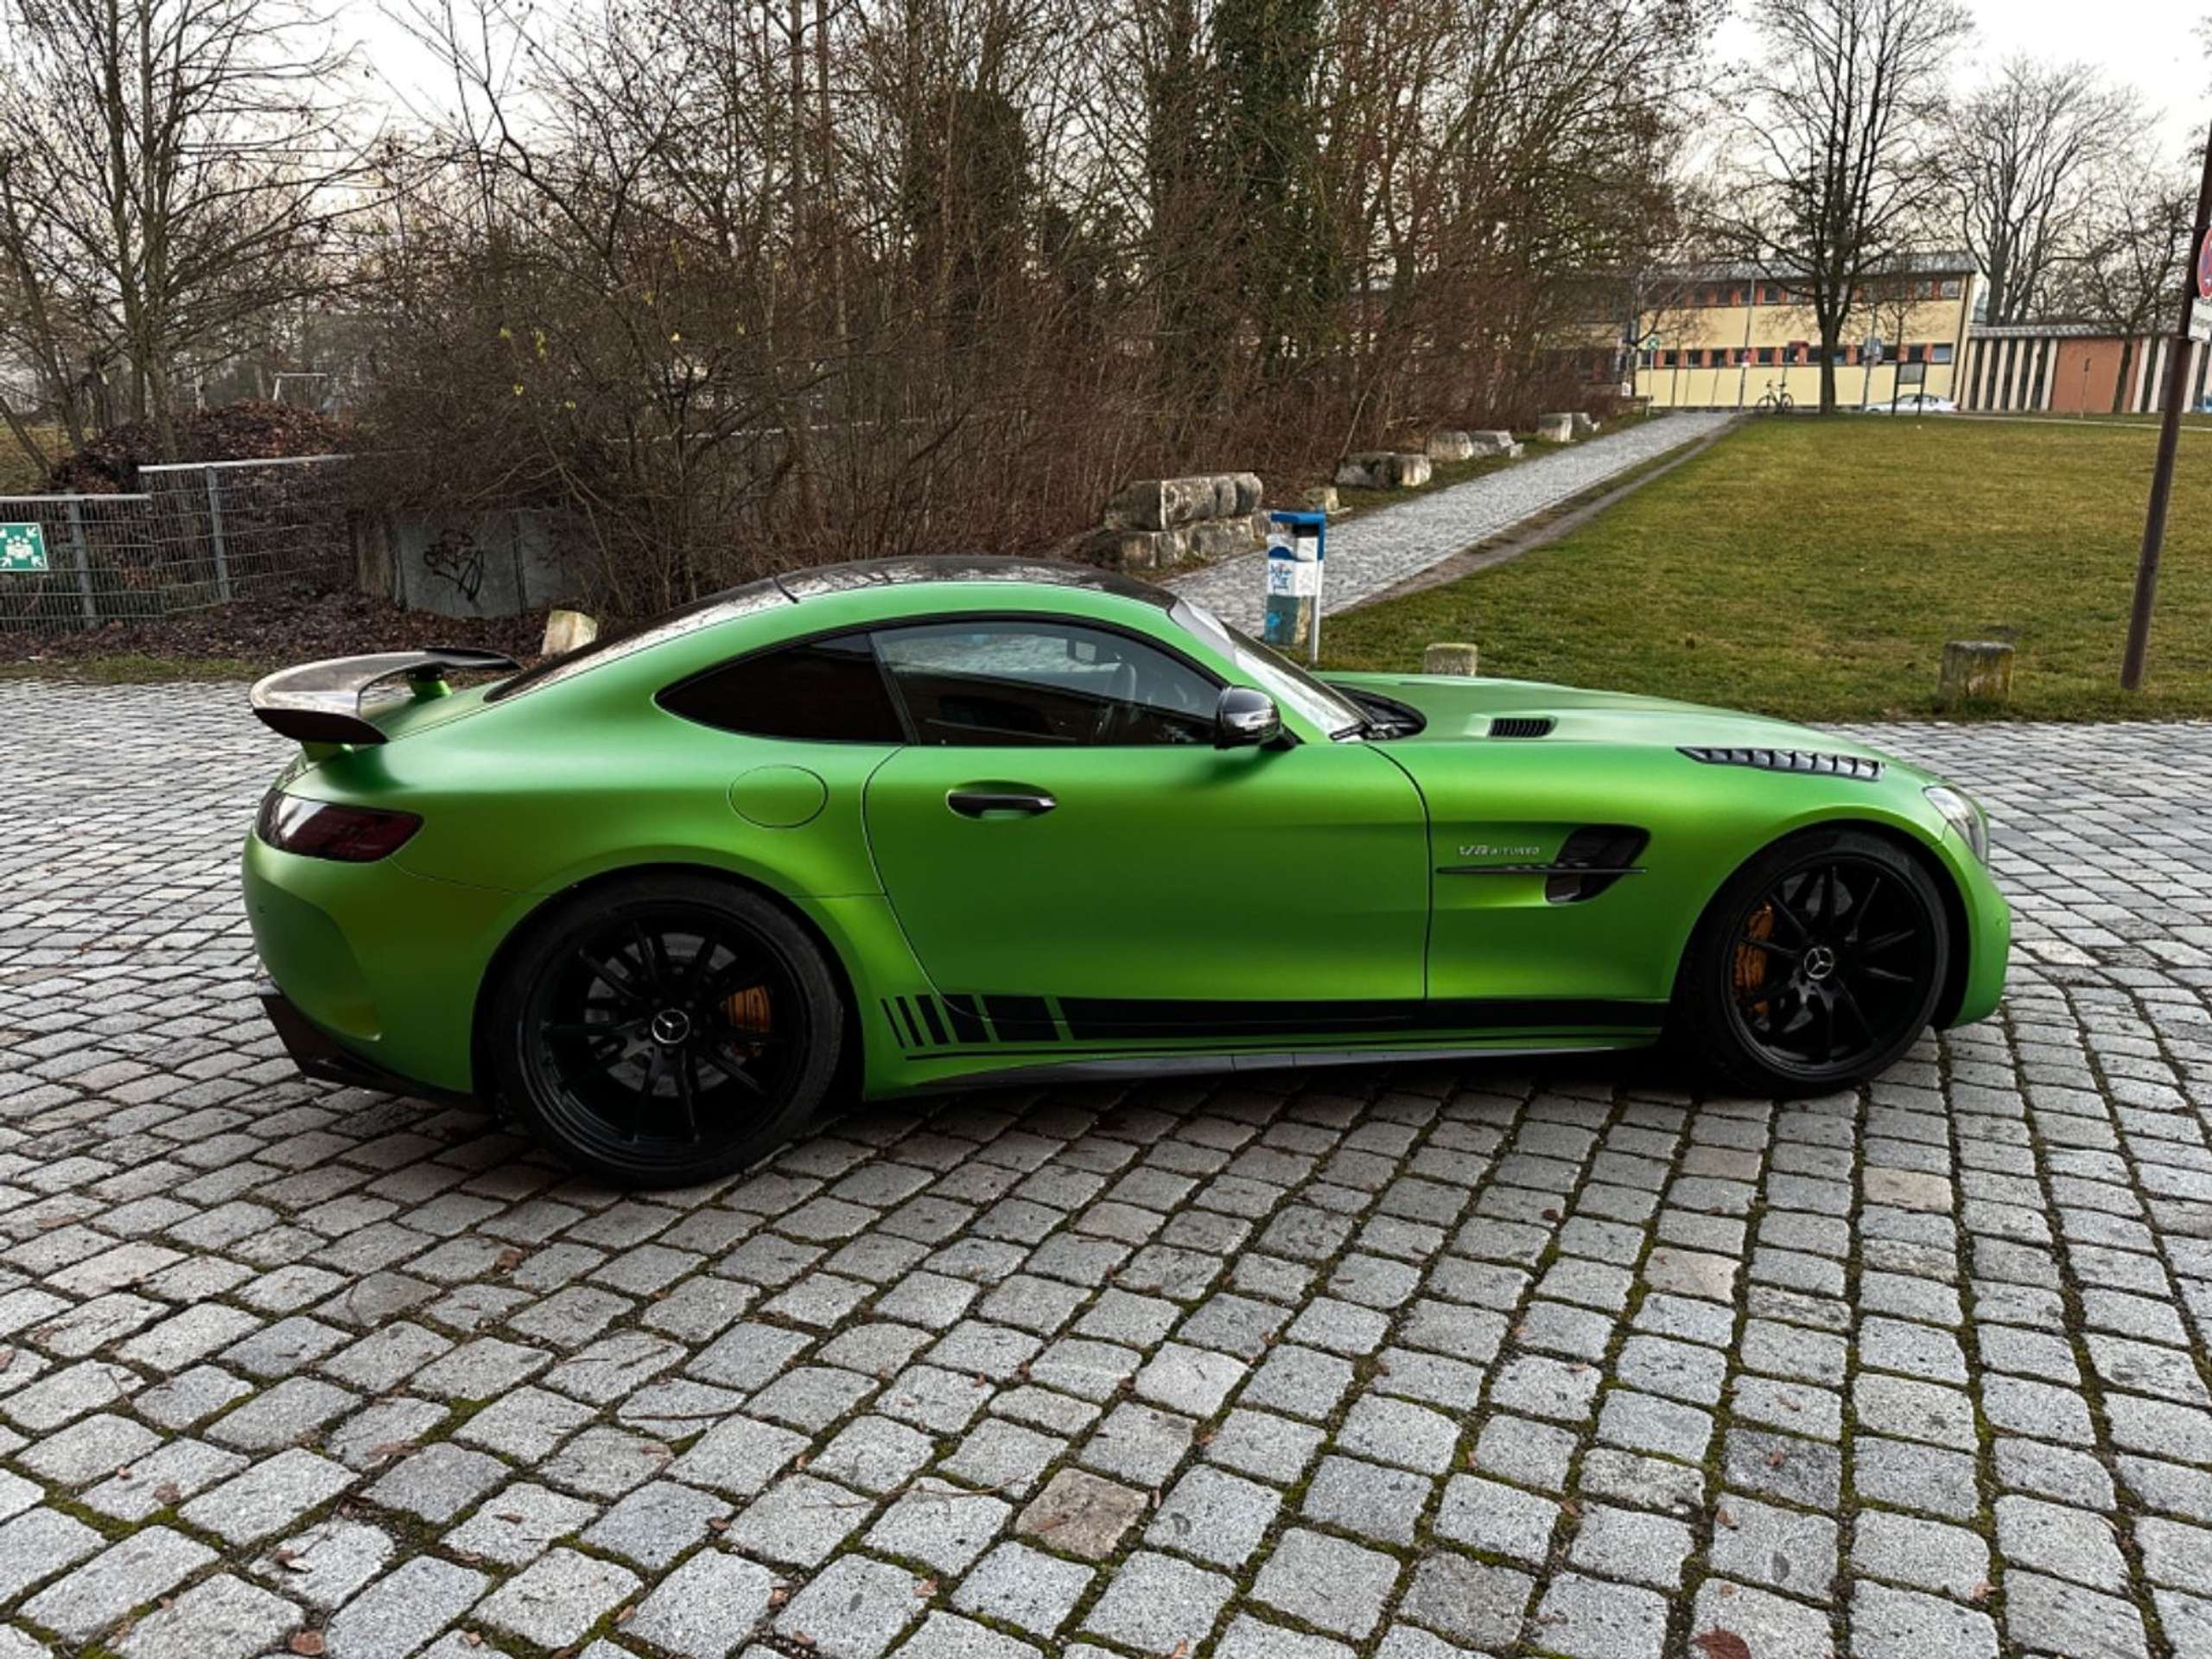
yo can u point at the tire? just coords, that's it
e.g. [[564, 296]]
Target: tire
[[666, 1031], [1817, 965]]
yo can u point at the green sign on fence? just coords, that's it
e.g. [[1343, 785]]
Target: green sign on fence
[[22, 548]]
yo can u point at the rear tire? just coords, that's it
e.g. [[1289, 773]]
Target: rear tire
[[666, 1031], [1817, 965]]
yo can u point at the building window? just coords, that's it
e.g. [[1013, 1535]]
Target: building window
[[1939, 353], [1952, 288]]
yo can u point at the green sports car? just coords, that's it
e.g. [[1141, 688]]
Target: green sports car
[[915, 825]]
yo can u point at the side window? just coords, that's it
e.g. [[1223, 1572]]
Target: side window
[[1018, 682], [829, 690]]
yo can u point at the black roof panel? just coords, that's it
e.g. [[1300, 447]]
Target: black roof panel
[[824, 579]]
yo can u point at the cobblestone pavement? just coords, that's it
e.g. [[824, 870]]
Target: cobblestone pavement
[[1378, 550], [1412, 1363]]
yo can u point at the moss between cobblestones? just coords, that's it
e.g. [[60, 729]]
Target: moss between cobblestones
[[1503, 1107]]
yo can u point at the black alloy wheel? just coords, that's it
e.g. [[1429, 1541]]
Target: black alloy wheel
[[1819, 964], [661, 1037]]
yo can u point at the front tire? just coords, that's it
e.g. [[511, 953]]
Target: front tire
[[1818, 965], [666, 1031]]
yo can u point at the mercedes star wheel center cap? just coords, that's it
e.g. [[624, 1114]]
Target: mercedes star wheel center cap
[[1820, 963], [671, 1026]]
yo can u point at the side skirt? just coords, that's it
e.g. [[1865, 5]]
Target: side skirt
[[1133, 1067]]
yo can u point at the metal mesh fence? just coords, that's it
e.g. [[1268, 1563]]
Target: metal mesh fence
[[200, 533]]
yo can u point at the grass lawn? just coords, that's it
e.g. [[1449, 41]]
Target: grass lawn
[[20, 474], [1813, 569]]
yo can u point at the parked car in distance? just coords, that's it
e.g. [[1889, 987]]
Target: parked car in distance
[[1914, 402]]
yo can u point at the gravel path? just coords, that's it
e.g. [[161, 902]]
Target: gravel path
[[1379, 549]]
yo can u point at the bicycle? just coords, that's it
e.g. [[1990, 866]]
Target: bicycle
[[1774, 402]]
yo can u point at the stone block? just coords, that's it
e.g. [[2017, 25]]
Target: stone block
[[565, 631], [1165, 503], [1321, 498], [1975, 670], [1445, 656], [1383, 469], [1584, 426], [1555, 428], [1451, 446], [1124, 549], [1223, 539], [1493, 443]]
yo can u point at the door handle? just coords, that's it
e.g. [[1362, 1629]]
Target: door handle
[[981, 802]]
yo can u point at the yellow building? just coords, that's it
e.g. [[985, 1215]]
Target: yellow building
[[1724, 337]]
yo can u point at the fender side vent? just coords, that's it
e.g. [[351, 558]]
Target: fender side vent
[[1522, 726], [1592, 859], [1814, 762]]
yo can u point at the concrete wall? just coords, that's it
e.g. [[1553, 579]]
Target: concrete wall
[[469, 564]]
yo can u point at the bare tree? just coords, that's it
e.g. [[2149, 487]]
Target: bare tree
[[1836, 173], [2023, 153], [2134, 242], [170, 169], [754, 283]]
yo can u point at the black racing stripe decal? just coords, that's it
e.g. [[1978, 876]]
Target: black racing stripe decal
[[1109, 1019], [906, 1014], [929, 1019], [897, 1030], [1020, 1019], [967, 1017]]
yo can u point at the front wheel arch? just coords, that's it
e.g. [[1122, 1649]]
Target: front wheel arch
[[1687, 1027], [548, 911], [1954, 990], [1955, 972]]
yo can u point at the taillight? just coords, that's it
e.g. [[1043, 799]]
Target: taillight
[[356, 834]]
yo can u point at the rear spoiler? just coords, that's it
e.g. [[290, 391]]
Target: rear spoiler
[[320, 703]]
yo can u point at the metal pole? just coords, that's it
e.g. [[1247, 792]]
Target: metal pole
[[1321, 569], [1744, 368], [2162, 475], [215, 526], [84, 561]]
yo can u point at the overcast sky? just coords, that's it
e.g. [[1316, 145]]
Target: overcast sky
[[2152, 45]]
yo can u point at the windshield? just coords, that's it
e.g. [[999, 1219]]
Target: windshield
[[1279, 678]]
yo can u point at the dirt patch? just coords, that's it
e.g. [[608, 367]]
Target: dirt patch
[[257, 635]]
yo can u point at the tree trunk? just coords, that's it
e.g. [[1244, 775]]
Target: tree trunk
[[1828, 336], [156, 381], [2127, 370]]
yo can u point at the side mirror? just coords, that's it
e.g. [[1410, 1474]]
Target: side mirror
[[1244, 717]]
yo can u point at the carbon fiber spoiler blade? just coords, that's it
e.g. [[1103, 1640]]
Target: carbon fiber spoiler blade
[[320, 703]]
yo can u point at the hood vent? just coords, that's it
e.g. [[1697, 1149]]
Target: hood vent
[[1522, 726], [1816, 761]]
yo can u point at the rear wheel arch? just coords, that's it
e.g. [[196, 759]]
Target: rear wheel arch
[[549, 911]]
